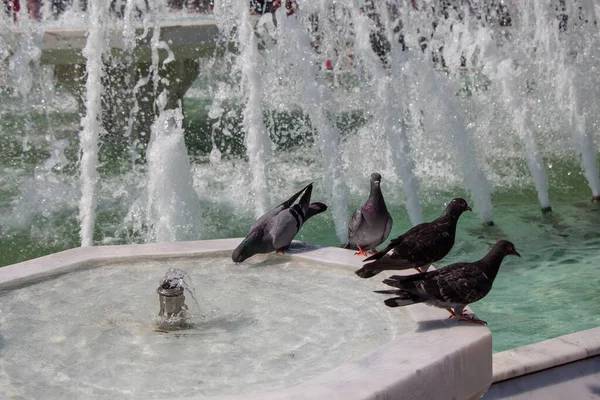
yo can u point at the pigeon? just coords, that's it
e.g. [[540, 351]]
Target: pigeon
[[276, 229], [452, 287], [420, 246], [370, 224]]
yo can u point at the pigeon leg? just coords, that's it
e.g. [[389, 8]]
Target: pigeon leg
[[361, 252], [472, 319], [374, 251], [465, 316], [280, 251]]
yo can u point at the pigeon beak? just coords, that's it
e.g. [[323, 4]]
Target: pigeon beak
[[516, 253], [469, 208]]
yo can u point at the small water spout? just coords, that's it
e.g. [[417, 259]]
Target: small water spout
[[171, 299], [173, 313]]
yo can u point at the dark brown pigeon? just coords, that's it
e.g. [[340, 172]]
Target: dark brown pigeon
[[420, 246], [275, 230], [452, 287], [371, 223]]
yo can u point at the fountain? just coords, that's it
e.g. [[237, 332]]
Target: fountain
[[280, 327], [160, 125]]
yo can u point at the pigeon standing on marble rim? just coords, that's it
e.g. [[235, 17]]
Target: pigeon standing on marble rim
[[275, 230], [371, 223], [452, 287], [420, 246]]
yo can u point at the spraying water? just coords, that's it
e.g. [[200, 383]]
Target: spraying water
[[173, 207], [385, 106], [292, 37], [257, 139], [89, 136], [522, 124], [427, 103]]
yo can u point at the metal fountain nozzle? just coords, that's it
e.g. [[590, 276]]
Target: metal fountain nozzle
[[171, 300], [173, 313]]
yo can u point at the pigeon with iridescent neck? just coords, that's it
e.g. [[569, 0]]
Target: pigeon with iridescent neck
[[452, 287], [371, 223], [420, 246], [275, 230]]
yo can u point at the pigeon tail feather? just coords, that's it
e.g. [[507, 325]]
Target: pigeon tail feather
[[366, 272], [375, 267], [288, 203], [390, 291], [314, 209], [378, 255], [401, 301]]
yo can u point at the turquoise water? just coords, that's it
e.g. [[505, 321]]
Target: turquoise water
[[552, 290]]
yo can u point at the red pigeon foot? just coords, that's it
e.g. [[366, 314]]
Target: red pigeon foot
[[361, 252]]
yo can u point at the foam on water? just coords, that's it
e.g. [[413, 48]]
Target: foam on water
[[269, 323]]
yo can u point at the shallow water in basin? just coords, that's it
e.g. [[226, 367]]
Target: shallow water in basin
[[268, 323]]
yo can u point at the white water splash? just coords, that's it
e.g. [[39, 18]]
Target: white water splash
[[522, 124], [91, 123], [256, 138], [173, 208], [385, 107], [293, 40]]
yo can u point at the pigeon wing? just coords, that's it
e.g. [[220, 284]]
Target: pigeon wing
[[428, 244], [468, 284], [355, 222], [388, 228], [459, 283]]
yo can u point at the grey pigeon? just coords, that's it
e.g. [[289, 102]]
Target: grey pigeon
[[276, 229], [420, 246], [371, 223], [452, 287]]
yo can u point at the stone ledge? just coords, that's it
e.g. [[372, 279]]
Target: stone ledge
[[547, 354]]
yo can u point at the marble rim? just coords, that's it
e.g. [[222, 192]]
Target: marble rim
[[547, 354]]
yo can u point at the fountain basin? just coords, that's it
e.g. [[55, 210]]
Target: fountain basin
[[433, 358], [186, 39]]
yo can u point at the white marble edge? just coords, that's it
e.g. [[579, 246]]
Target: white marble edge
[[175, 33], [441, 359], [546, 354]]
